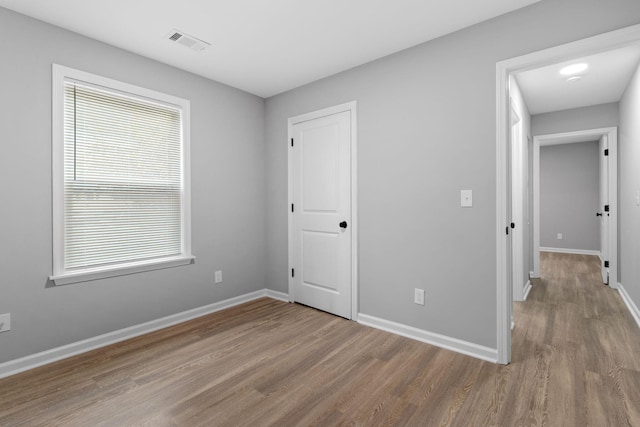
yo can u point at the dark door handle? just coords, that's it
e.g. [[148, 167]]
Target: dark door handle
[[343, 224], [598, 214]]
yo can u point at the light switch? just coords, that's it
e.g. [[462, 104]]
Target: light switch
[[466, 198]]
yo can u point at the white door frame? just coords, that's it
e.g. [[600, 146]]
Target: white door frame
[[577, 49], [576, 137], [350, 107]]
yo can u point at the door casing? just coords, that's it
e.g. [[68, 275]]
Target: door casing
[[351, 107]]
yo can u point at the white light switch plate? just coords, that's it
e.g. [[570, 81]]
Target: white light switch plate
[[466, 198], [5, 322]]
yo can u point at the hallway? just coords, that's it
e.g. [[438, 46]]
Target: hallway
[[582, 343]]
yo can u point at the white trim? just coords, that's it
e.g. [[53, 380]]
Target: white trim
[[352, 108], [33, 361], [535, 187], [532, 275], [453, 344], [527, 289], [577, 49], [504, 292], [280, 296], [570, 251], [120, 270], [633, 308]]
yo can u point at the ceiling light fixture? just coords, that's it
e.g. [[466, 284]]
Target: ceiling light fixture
[[573, 69]]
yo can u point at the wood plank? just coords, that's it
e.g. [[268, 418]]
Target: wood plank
[[575, 362]]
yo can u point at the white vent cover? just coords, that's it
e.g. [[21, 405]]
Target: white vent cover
[[187, 40]]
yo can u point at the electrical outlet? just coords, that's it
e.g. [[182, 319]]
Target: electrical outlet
[[559, 236], [418, 297], [5, 322], [218, 277]]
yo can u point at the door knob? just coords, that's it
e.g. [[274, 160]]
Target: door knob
[[343, 224], [598, 214]]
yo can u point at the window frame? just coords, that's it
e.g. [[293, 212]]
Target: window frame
[[62, 276]]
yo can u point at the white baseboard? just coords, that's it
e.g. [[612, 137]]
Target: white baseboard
[[280, 296], [533, 275], [33, 361], [453, 344], [570, 251], [633, 308], [527, 289]]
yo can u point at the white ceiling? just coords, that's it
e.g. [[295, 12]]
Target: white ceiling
[[266, 46], [545, 90]]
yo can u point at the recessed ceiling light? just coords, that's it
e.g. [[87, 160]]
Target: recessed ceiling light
[[574, 78], [573, 69]]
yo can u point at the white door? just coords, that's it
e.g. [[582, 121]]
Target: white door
[[517, 205], [321, 270], [603, 208]]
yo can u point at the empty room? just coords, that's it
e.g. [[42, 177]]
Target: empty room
[[320, 213]]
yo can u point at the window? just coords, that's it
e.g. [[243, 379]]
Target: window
[[120, 178]]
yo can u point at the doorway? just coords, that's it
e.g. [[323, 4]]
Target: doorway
[[608, 190], [504, 69], [322, 210]]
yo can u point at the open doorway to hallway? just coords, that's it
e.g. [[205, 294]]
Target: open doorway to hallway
[[563, 89]]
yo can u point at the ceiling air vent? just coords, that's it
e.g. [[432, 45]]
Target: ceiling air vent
[[187, 40]]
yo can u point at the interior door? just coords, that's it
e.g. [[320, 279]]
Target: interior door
[[517, 205], [321, 205], [603, 209]]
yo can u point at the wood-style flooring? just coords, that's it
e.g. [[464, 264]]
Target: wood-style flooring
[[576, 362]]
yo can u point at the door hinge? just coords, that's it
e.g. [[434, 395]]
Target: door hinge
[[507, 230], [513, 225], [606, 152], [293, 273], [292, 208], [606, 264], [292, 142], [606, 208]]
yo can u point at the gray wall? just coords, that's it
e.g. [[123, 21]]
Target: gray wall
[[629, 160], [426, 129], [227, 143], [596, 116], [569, 196]]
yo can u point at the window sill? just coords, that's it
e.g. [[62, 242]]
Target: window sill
[[121, 270]]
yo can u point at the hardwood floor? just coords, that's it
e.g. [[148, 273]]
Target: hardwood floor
[[576, 362]]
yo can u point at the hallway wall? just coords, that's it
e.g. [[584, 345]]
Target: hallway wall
[[569, 196], [592, 117]]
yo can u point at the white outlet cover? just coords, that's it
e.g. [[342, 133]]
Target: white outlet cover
[[559, 236], [419, 296], [218, 276]]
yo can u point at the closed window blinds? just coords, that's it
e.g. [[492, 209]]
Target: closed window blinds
[[123, 178]]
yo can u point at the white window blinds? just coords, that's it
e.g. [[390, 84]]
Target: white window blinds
[[123, 178]]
